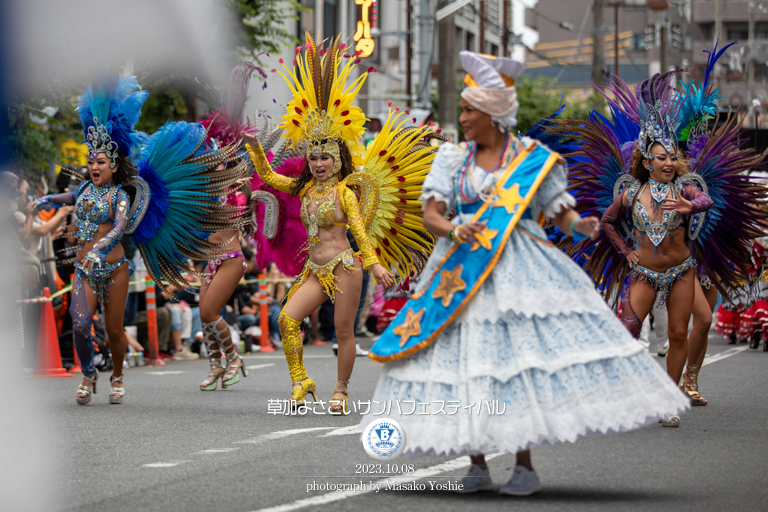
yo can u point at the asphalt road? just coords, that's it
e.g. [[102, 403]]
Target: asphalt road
[[172, 447]]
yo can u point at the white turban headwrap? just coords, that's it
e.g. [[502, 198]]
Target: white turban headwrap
[[490, 90]]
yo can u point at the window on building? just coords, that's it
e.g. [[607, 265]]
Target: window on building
[[638, 42], [470, 42], [706, 30], [493, 49], [736, 31]]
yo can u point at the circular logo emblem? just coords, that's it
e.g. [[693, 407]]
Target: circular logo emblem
[[384, 439]]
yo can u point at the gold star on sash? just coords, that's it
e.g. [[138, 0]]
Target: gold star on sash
[[508, 198], [450, 283], [484, 239], [411, 326]]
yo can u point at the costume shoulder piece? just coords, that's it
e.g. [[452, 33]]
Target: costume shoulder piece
[[389, 183]]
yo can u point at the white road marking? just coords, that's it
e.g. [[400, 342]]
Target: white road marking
[[724, 355], [281, 434], [253, 367], [216, 450], [165, 464], [353, 429], [331, 497], [169, 372]]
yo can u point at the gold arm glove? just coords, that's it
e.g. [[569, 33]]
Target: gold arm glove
[[267, 175], [355, 221]]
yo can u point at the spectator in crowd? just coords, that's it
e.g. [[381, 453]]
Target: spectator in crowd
[[10, 310]]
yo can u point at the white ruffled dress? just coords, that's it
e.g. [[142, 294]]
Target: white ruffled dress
[[537, 353]]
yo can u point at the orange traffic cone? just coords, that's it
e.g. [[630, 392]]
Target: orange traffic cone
[[48, 363], [266, 345], [76, 366]]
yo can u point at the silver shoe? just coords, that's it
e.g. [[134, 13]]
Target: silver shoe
[[86, 390], [670, 421], [116, 394], [522, 483], [476, 479]]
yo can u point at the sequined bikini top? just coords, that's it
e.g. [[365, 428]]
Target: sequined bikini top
[[326, 211], [323, 217], [92, 209], [656, 229]]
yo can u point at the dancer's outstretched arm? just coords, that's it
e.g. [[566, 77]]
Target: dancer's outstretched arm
[[270, 177]]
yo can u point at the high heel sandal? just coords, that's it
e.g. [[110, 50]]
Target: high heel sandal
[[87, 390], [214, 356], [336, 405], [232, 376], [692, 389], [116, 394], [299, 393]]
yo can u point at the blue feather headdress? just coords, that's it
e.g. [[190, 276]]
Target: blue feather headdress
[[109, 110]]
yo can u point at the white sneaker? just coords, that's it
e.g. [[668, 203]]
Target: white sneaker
[[476, 479], [663, 349], [184, 354], [522, 483], [670, 421], [360, 352]]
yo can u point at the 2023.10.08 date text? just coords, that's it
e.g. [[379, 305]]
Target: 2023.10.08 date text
[[371, 469]]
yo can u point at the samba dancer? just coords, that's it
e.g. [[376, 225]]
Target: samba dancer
[[385, 221]]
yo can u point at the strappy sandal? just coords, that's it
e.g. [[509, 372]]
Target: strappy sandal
[[692, 390], [232, 376], [116, 394], [214, 356], [86, 391], [338, 405]]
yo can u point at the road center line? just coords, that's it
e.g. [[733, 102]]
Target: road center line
[[165, 464], [281, 434], [255, 366], [723, 355], [215, 450], [353, 429], [331, 497]]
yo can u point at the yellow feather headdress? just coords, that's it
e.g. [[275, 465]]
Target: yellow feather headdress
[[321, 109]]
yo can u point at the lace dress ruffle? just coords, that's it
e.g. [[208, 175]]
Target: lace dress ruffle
[[537, 344]]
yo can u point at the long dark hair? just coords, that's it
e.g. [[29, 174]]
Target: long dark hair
[[347, 168]]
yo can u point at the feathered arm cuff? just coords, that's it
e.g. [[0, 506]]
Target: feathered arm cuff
[[701, 202], [352, 210], [98, 254], [54, 201], [267, 175], [609, 220]]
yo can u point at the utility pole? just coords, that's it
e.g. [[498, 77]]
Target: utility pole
[[663, 42], [425, 53], [505, 33], [408, 53], [447, 75], [481, 42], [616, 6], [319, 21], [598, 52]]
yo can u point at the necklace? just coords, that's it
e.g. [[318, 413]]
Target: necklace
[[464, 186], [95, 211], [659, 192]]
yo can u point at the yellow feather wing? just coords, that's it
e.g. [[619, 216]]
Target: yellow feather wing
[[395, 165]]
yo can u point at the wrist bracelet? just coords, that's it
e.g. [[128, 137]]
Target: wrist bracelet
[[577, 237]]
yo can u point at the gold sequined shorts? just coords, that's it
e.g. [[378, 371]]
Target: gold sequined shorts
[[325, 274]]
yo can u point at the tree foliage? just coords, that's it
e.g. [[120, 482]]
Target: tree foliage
[[36, 136], [540, 98]]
